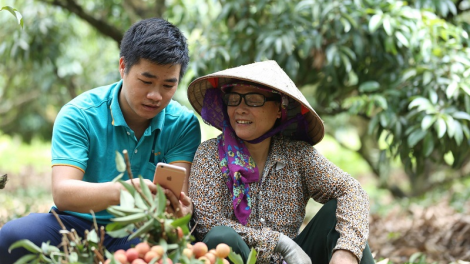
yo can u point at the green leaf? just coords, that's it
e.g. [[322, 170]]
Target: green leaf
[[450, 126], [126, 200], [235, 258], [278, 45], [433, 96], [415, 256], [139, 202], [145, 189], [130, 219], [428, 145], [47, 249], [369, 86], [73, 257], [182, 221], [458, 136], [428, 121], [331, 53], [384, 119], [143, 229], [119, 177], [408, 74], [346, 25], [93, 237], [26, 244], [123, 211], [346, 62], [15, 13], [415, 137], [419, 102], [352, 78], [121, 232], [465, 88], [466, 131], [372, 124], [128, 187], [387, 25], [440, 127], [161, 202], [164, 244], [348, 52], [427, 77], [403, 40], [380, 101], [450, 91], [252, 257], [26, 259], [461, 115], [120, 162], [375, 22]]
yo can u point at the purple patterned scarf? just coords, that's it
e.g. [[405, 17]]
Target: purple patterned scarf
[[239, 168]]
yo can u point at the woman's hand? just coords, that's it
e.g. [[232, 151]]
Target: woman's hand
[[178, 207], [344, 257]]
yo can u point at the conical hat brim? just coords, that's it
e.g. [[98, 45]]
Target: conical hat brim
[[269, 74]]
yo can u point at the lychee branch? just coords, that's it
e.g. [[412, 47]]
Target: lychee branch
[[129, 172]]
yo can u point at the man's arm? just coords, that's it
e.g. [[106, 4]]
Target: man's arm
[[70, 193]]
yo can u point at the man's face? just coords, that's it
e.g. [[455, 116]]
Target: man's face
[[147, 88]]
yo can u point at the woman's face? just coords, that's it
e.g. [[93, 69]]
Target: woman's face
[[252, 122]]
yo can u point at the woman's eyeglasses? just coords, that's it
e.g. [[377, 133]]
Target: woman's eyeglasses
[[251, 99]]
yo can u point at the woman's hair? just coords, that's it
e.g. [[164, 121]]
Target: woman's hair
[[156, 40]]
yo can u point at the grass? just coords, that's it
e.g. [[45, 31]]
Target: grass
[[28, 187]]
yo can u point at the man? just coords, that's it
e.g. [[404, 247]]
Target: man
[[136, 114]]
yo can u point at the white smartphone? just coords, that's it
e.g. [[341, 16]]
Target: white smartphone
[[170, 177]]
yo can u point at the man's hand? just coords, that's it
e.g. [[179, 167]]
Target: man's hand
[[178, 207], [343, 257]]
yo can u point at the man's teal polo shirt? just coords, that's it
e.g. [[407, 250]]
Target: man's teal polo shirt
[[91, 128]]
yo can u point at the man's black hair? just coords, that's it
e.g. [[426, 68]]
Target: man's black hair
[[156, 40]]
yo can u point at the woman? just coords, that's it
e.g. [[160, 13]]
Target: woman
[[250, 185]]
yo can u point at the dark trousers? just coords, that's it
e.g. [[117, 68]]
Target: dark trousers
[[44, 227], [317, 239]]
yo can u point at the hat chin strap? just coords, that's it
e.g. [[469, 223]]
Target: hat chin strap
[[301, 127]]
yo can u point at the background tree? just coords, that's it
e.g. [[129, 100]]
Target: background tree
[[396, 73]]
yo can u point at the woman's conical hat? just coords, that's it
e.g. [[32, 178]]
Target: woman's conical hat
[[268, 74]]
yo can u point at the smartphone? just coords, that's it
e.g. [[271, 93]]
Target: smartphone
[[170, 177]]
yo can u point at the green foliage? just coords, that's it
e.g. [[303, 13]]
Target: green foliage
[[401, 68], [397, 72], [78, 250], [47, 67], [15, 13]]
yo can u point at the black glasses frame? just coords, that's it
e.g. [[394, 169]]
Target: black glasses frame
[[266, 99]]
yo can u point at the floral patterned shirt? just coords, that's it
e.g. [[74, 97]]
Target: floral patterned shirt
[[294, 172]]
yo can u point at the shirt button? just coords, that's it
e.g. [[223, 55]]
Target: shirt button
[[128, 133], [135, 151], [261, 220]]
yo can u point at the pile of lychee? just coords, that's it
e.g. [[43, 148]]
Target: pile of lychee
[[144, 253]]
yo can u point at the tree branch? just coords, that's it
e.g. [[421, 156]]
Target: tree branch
[[101, 25], [442, 183]]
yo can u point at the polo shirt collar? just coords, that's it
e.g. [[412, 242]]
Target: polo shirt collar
[[118, 118]]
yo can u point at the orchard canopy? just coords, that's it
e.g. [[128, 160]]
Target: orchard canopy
[[390, 78]]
